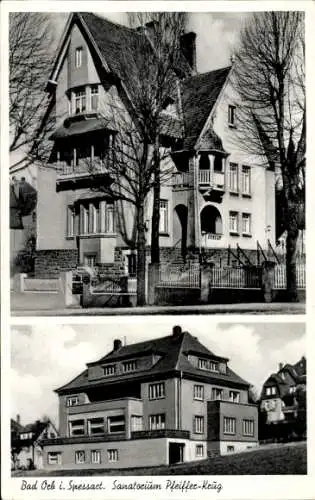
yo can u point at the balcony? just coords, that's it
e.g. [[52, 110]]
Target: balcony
[[161, 433], [83, 174], [182, 180], [214, 180], [111, 404]]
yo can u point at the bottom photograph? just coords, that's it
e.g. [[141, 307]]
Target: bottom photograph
[[158, 396]]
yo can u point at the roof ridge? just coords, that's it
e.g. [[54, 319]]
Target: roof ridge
[[123, 26], [206, 73]]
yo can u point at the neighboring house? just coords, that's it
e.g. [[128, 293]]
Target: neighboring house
[[26, 449], [280, 396], [161, 401], [216, 196]]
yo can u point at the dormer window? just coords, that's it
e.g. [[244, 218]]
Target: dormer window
[[207, 364], [73, 401], [109, 370], [79, 100], [85, 98], [78, 57], [231, 115], [271, 391], [130, 366]]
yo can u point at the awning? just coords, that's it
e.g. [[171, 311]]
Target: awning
[[81, 125]]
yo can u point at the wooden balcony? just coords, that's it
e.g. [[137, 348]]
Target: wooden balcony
[[211, 184], [83, 174]]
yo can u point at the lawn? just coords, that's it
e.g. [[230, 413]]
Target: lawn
[[275, 459]]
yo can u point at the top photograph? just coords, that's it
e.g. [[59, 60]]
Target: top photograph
[[157, 163]]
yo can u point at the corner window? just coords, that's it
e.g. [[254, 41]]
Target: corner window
[[78, 57], [157, 422], [163, 216], [199, 392], [116, 424], [79, 457], [157, 391], [229, 425], [248, 427], [199, 425], [54, 457], [233, 222], [112, 455], [96, 456], [231, 115]]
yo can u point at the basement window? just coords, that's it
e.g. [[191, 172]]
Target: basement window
[[54, 457]]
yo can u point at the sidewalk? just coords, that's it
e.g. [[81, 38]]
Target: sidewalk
[[47, 305]]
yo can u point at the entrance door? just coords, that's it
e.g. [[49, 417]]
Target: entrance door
[[176, 453]]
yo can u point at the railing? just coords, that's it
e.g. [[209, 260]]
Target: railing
[[214, 180], [204, 177], [236, 277], [179, 276], [82, 169], [181, 179], [212, 236], [280, 276], [161, 433]]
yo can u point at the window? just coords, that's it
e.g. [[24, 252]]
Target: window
[[96, 426], [216, 393], [72, 400], [78, 57], [130, 366], [246, 180], [234, 396], [199, 392], [70, 222], [248, 427], [233, 222], [229, 425], [233, 177], [271, 391], [76, 427], [94, 97], [246, 224], [96, 456], [79, 99], [157, 391], [54, 457], [112, 455], [231, 115], [109, 370], [116, 424], [199, 424], [163, 216], [136, 423], [157, 422], [96, 217], [206, 364], [199, 450], [132, 264], [79, 457], [230, 448]]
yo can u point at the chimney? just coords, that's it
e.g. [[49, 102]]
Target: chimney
[[18, 419], [177, 330], [280, 366], [117, 344], [188, 47]]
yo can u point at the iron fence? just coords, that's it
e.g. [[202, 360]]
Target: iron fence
[[280, 276], [179, 276], [236, 277]]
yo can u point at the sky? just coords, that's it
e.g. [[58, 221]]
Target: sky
[[45, 357], [217, 33]]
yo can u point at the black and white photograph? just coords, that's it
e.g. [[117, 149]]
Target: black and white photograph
[[154, 398], [157, 162]]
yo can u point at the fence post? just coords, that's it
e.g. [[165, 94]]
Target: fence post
[[205, 284], [267, 279], [86, 291], [66, 289], [153, 272], [22, 281]]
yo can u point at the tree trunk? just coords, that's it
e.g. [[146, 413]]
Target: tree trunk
[[155, 242], [291, 241], [141, 257]]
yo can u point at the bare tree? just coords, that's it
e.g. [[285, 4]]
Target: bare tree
[[154, 88], [30, 57], [269, 79]]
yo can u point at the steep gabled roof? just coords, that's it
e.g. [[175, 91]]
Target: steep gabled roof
[[173, 352], [199, 95]]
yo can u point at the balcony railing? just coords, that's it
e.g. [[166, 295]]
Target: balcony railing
[[215, 180], [161, 433], [182, 179], [65, 171]]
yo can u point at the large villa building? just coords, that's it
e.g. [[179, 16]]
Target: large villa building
[[162, 401], [215, 197]]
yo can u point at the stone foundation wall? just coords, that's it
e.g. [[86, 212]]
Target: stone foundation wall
[[49, 263]]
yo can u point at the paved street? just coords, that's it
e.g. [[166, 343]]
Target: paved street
[[46, 304]]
